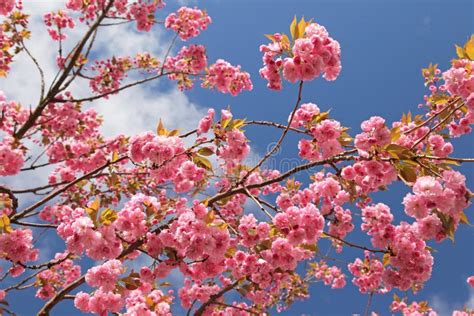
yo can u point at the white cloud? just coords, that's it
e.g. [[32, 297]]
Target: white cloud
[[134, 110], [445, 308]]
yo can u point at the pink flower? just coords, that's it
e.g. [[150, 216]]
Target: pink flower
[[2, 295], [6, 6], [227, 78], [105, 276], [187, 22], [206, 122], [56, 23], [470, 281], [311, 56]]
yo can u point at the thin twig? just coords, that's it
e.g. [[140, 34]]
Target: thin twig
[[350, 244], [437, 125], [340, 157], [282, 137], [61, 190]]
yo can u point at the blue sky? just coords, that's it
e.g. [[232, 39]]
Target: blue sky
[[384, 46]]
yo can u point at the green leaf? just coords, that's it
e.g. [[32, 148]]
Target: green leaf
[[396, 298], [386, 259], [321, 117], [93, 210], [205, 151], [395, 134], [301, 27], [108, 216], [285, 41], [459, 51], [202, 162], [174, 132], [310, 247], [237, 123], [448, 224], [464, 220], [160, 129], [226, 122], [469, 48], [399, 152], [407, 173], [294, 28], [270, 37]]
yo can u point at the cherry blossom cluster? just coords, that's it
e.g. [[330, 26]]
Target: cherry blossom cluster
[[168, 160], [199, 237], [458, 79], [370, 176], [105, 276], [300, 225], [11, 158], [430, 196], [206, 122], [374, 134], [188, 62], [183, 202], [148, 301], [367, 273], [252, 232], [131, 220], [455, 82], [99, 303], [377, 221], [56, 277], [329, 275], [141, 11], [195, 291], [16, 245], [13, 31], [187, 22], [13, 114], [80, 234], [312, 55], [111, 72], [6, 6], [226, 78], [414, 308], [411, 263], [235, 148], [57, 22]]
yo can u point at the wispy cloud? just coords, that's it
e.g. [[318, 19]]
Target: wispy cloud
[[132, 111], [444, 307]]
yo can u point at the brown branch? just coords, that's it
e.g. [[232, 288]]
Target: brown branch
[[78, 282], [282, 137], [130, 85], [350, 244], [281, 126], [57, 86], [61, 190], [12, 197], [250, 195], [250, 311], [341, 157], [437, 125], [39, 225], [40, 70], [47, 265], [432, 117], [460, 160], [214, 297], [41, 188]]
